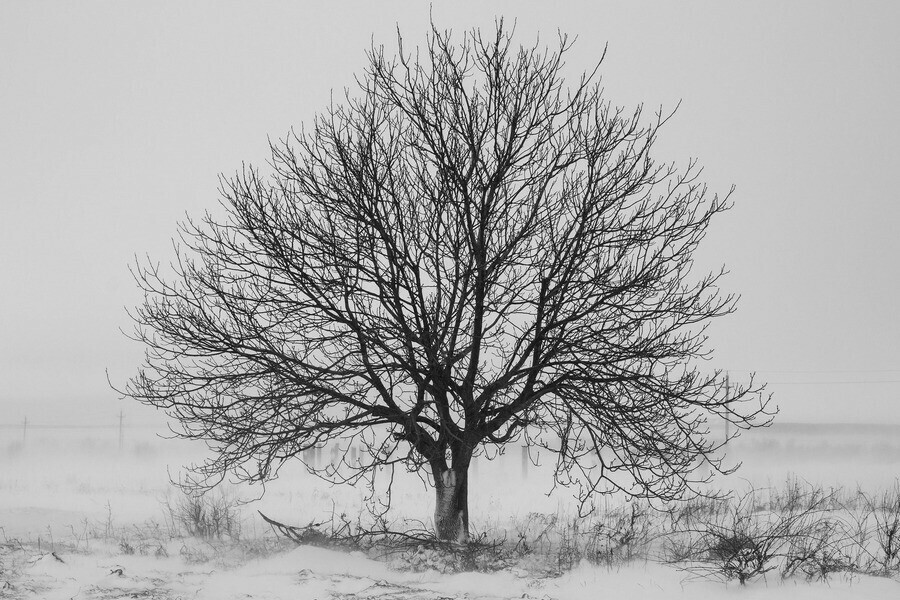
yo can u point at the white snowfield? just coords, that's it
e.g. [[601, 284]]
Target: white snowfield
[[308, 573], [75, 513]]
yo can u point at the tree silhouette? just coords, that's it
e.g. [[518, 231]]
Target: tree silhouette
[[465, 253]]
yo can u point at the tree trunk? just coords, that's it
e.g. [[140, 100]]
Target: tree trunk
[[451, 512]]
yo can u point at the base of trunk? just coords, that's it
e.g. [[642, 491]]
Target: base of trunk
[[451, 512]]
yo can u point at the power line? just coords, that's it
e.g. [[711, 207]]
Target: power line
[[829, 372], [861, 381], [834, 382]]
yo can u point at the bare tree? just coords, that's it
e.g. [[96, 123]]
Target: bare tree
[[465, 253]]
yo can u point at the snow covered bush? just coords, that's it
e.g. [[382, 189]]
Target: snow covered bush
[[794, 530], [880, 525], [213, 515]]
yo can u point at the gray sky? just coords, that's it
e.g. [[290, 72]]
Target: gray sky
[[116, 117]]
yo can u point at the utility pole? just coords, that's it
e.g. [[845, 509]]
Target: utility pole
[[24, 429], [121, 432], [727, 395]]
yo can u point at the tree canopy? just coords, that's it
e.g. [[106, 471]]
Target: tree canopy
[[464, 252]]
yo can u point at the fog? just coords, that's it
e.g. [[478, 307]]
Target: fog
[[116, 120]]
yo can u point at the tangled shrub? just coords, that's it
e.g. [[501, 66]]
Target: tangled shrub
[[881, 523], [207, 516], [621, 535], [797, 533], [739, 555]]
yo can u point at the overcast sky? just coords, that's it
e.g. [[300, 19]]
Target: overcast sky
[[116, 118]]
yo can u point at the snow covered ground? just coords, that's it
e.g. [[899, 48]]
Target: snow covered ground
[[78, 516], [315, 573], [308, 573]]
